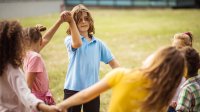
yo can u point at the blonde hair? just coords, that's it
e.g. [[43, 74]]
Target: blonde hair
[[165, 71], [77, 11], [182, 39]]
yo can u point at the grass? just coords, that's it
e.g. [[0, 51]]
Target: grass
[[130, 34]]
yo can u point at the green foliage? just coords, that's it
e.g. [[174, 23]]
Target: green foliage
[[130, 34]]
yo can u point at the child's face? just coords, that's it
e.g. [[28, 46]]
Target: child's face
[[83, 24]]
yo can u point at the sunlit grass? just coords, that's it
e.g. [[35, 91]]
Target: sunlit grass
[[130, 34]]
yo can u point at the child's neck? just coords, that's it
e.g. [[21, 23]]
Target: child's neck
[[34, 48], [85, 35]]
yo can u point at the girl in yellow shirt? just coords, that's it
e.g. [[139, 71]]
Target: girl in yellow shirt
[[147, 89]]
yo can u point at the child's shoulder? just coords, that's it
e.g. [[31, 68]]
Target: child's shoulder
[[68, 37], [32, 54], [13, 71], [98, 40]]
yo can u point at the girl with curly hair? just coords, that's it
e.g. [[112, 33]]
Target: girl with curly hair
[[15, 96]]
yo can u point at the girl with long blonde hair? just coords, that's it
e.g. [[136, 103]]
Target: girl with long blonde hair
[[147, 89]]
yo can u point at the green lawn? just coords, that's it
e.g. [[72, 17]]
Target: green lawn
[[130, 34]]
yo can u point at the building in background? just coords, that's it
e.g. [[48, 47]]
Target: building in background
[[135, 3], [28, 8]]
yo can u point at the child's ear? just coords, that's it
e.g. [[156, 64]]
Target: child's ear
[[40, 41], [185, 74]]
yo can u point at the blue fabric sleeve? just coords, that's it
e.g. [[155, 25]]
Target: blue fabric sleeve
[[106, 55], [68, 44]]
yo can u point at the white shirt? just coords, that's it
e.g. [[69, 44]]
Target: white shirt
[[15, 95]]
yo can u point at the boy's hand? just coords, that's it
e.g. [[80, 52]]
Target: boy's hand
[[66, 16]]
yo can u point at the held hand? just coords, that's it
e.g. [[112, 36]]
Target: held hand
[[47, 108], [54, 108], [173, 104], [66, 16], [62, 108]]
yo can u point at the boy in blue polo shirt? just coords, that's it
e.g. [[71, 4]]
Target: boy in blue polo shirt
[[85, 54]]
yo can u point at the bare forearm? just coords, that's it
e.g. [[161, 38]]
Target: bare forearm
[[76, 40], [114, 64], [85, 95], [42, 106], [49, 34], [79, 98]]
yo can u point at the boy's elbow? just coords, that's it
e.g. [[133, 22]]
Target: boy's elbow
[[77, 45]]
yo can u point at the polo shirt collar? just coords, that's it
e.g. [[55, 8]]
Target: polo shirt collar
[[93, 39]]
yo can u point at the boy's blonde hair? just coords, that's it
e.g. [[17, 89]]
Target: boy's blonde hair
[[77, 12], [182, 39]]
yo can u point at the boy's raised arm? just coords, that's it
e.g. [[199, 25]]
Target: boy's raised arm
[[76, 40]]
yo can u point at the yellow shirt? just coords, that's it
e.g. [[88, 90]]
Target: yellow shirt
[[128, 90]]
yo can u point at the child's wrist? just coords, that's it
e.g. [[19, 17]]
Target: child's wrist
[[62, 106], [42, 106], [38, 107], [60, 21], [71, 22]]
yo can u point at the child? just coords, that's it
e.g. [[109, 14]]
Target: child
[[188, 100], [180, 40], [148, 89], [15, 95], [34, 67], [85, 53]]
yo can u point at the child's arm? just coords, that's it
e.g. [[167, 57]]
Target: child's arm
[[30, 79], [19, 86], [114, 64], [46, 108], [85, 95], [76, 40], [49, 34]]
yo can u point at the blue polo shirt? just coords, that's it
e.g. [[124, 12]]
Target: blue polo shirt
[[84, 63]]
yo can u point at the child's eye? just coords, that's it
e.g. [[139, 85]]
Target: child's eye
[[79, 20], [86, 18]]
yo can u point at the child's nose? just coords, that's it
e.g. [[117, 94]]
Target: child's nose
[[83, 20]]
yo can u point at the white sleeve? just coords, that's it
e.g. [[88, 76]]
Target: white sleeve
[[17, 82]]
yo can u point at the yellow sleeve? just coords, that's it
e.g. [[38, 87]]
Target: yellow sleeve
[[114, 77]]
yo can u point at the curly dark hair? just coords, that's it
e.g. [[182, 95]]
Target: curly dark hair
[[193, 60], [11, 44]]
